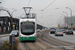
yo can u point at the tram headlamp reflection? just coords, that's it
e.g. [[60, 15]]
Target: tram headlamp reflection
[[21, 36], [35, 35]]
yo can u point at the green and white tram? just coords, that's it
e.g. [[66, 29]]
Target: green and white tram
[[27, 29]]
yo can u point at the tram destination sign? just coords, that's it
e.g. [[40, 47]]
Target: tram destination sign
[[27, 23]]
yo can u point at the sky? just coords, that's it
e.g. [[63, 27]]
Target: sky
[[49, 17]]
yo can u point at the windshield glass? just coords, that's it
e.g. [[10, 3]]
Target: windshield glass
[[14, 32], [59, 30], [63, 29], [70, 30], [53, 30], [27, 28]]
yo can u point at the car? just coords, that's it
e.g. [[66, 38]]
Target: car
[[59, 32], [52, 28], [69, 31], [38, 30], [52, 31], [14, 32], [63, 30]]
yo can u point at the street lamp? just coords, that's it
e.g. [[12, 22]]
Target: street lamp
[[21, 15], [0, 2], [13, 11], [66, 13], [58, 21], [12, 20], [67, 18], [41, 13], [64, 17], [71, 15]]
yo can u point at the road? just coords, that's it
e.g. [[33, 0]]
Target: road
[[45, 42], [68, 38]]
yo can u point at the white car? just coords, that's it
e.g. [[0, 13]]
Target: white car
[[59, 32], [38, 30], [14, 32]]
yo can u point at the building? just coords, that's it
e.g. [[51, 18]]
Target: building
[[8, 24], [68, 22]]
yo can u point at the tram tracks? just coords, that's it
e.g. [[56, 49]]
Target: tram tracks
[[59, 41], [32, 46], [52, 42], [46, 42]]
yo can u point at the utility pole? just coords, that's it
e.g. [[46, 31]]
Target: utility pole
[[67, 18], [64, 19], [27, 10], [71, 15], [13, 26], [0, 6]]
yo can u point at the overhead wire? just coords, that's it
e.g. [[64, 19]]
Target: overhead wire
[[40, 22], [43, 24], [29, 2], [49, 5], [45, 8]]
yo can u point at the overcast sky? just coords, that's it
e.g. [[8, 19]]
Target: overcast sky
[[49, 17]]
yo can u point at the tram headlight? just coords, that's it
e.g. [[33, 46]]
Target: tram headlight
[[35, 35], [21, 36]]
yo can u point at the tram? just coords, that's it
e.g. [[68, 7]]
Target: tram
[[27, 29]]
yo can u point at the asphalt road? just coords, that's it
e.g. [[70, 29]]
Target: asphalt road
[[68, 38]]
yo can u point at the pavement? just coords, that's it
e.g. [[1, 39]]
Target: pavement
[[3, 35]]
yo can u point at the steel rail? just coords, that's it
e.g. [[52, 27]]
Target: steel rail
[[38, 46], [27, 48], [55, 40], [61, 43], [59, 40], [42, 35]]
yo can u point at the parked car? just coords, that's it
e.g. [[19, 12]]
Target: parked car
[[38, 30], [59, 32], [63, 30], [14, 32], [69, 31]]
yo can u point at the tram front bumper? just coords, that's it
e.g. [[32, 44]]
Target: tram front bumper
[[27, 38]]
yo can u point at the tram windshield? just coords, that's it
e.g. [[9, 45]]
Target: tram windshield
[[27, 28]]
